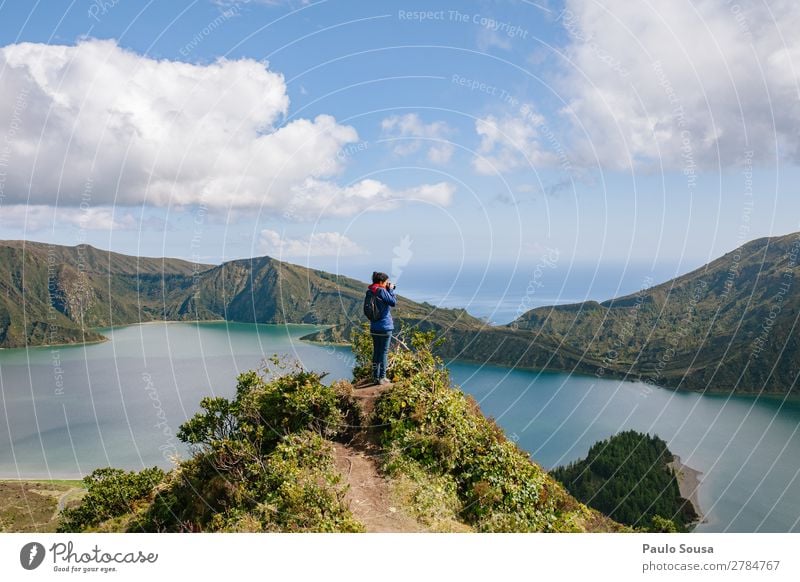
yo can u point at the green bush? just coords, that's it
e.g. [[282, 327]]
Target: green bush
[[294, 488], [410, 353], [110, 493], [287, 404], [441, 429], [265, 410], [663, 525], [216, 423], [261, 462], [305, 492]]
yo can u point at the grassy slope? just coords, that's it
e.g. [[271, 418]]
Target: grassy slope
[[54, 294], [698, 331], [31, 506]]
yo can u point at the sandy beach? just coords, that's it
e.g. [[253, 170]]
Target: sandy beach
[[688, 484]]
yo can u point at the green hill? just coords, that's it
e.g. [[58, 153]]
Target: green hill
[[728, 326], [628, 477], [266, 290], [52, 294]]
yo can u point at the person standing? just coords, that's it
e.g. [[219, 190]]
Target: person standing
[[381, 324]]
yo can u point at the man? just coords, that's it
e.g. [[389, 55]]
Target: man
[[381, 326]]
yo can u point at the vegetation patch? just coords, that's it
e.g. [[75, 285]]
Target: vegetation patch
[[433, 433], [628, 478], [265, 461], [33, 506]]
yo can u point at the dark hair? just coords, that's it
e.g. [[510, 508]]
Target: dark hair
[[378, 277]]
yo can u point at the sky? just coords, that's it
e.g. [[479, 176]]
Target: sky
[[354, 136]]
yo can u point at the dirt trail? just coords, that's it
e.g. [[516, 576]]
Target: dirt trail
[[370, 496], [68, 495]]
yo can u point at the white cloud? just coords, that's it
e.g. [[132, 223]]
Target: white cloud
[[411, 133], [511, 142], [160, 132], [440, 154], [682, 83], [98, 219], [36, 217], [326, 198], [319, 244]]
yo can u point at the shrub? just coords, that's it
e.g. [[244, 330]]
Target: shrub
[[110, 493], [294, 488], [287, 404], [264, 410], [663, 525], [260, 462], [443, 431], [305, 492], [216, 423], [411, 352]]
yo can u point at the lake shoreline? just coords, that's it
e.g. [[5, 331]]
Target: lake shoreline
[[688, 485], [712, 393], [771, 396], [554, 416], [61, 345]]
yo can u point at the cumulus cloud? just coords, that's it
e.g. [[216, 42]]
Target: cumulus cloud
[[511, 142], [161, 132], [326, 198], [682, 83], [412, 133], [319, 244]]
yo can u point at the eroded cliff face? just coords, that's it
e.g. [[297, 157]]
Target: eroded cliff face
[[71, 293]]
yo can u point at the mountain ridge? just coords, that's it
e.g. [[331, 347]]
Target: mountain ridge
[[52, 294], [727, 326], [706, 329]]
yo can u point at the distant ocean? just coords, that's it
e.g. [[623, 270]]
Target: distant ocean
[[501, 293]]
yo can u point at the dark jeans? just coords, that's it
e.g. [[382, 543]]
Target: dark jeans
[[380, 353]]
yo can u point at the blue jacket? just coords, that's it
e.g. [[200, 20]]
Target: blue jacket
[[387, 300]]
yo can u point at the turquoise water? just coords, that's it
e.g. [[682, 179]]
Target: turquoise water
[[119, 403], [68, 410], [747, 449]]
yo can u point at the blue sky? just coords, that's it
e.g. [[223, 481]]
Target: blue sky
[[343, 135]]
